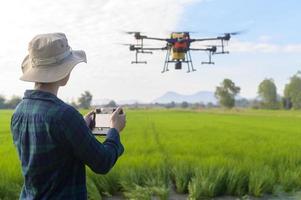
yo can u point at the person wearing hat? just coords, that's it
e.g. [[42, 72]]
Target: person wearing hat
[[53, 139]]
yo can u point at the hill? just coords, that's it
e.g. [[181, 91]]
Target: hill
[[201, 96]]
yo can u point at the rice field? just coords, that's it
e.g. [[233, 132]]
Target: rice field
[[202, 154]]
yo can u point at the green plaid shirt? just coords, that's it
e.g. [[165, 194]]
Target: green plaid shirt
[[54, 145]]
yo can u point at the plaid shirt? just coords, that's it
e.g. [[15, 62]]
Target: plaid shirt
[[54, 145]]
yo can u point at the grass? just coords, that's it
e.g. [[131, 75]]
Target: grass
[[205, 154]]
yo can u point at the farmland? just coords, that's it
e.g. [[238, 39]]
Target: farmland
[[204, 153]]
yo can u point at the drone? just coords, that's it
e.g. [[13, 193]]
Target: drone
[[178, 48]]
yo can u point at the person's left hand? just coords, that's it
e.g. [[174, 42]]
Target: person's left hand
[[89, 118]]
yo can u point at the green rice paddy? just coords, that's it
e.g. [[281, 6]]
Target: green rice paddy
[[203, 154]]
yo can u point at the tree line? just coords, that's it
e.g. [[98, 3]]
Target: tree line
[[9, 103], [226, 94], [84, 101], [268, 97]]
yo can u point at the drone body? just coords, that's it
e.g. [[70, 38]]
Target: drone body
[[178, 48]]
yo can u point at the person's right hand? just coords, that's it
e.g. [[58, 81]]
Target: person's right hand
[[118, 121]]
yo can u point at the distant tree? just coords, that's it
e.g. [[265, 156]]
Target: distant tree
[[136, 105], [2, 102], [287, 103], [210, 105], [171, 105], [184, 104], [226, 92], [198, 105], [292, 92], [243, 103], [255, 104], [202, 104], [84, 101], [111, 104], [267, 91], [74, 104], [13, 102]]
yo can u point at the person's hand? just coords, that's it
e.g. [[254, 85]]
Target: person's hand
[[118, 120], [89, 118]]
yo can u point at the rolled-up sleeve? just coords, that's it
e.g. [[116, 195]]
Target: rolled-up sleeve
[[100, 157]]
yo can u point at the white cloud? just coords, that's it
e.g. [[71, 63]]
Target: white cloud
[[262, 47], [292, 48], [264, 38], [94, 26]]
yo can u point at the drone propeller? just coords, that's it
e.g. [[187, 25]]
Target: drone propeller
[[212, 49], [132, 32], [125, 44], [213, 45], [227, 36], [137, 35], [236, 32], [132, 47], [136, 45]]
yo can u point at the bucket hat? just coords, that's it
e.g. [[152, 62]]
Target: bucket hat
[[50, 58]]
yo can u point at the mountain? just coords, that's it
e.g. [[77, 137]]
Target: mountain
[[201, 96]]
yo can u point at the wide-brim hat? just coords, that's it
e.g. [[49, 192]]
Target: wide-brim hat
[[50, 58]]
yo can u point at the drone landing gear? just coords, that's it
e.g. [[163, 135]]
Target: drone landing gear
[[210, 61], [178, 63], [165, 68], [138, 62], [189, 62], [136, 57]]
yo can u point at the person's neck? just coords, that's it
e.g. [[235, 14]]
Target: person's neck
[[47, 87]]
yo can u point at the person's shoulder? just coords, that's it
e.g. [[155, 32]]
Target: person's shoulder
[[19, 110], [20, 106], [69, 114], [67, 110]]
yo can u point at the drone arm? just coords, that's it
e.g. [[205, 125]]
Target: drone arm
[[199, 49], [226, 37], [205, 39], [153, 38], [143, 49], [222, 52], [153, 49]]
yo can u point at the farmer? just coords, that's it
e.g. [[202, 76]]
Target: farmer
[[52, 138]]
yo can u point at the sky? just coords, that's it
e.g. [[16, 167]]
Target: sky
[[269, 48]]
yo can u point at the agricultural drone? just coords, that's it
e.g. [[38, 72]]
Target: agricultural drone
[[178, 48]]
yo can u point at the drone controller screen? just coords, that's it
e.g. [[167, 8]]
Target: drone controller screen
[[102, 120]]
